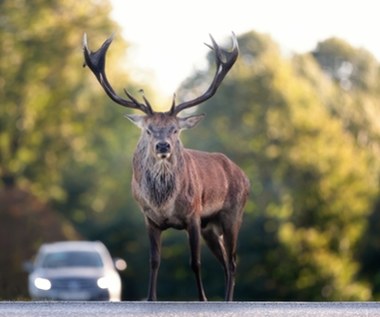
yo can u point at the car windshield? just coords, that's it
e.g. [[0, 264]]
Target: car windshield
[[71, 259]]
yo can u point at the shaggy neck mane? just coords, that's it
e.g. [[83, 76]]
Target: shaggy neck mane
[[160, 182], [159, 177]]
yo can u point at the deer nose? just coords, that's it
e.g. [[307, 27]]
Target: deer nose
[[163, 147]]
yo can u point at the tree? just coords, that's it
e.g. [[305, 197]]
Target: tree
[[60, 138], [25, 223], [358, 107], [48, 106], [312, 184]]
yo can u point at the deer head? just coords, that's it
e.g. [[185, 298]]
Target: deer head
[[161, 131]]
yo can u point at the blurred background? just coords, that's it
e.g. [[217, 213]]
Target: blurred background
[[305, 127]]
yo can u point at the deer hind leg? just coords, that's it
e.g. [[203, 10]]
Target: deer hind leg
[[230, 236], [215, 243], [194, 232]]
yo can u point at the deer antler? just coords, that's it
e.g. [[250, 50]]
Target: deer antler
[[224, 61], [96, 62]]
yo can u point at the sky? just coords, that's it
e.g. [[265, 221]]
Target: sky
[[166, 36]]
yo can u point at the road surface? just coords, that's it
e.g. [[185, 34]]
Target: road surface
[[187, 309]]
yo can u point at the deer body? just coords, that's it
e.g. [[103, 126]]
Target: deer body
[[200, 192], [180, 188]]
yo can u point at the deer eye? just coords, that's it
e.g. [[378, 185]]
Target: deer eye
[[173, 130], [148, 132]]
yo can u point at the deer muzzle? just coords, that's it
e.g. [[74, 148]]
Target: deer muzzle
[[163, 149]]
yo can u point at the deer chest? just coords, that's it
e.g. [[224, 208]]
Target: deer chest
[[166, 217]]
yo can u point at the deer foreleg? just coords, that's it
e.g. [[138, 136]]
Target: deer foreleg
[[195, 252], [154, 234]]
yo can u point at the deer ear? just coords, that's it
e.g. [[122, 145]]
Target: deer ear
[[190, 122], [136, 119]]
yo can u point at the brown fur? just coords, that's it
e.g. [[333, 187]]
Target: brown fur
[[190, 188]]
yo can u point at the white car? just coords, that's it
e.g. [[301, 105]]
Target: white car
[[74, 270]]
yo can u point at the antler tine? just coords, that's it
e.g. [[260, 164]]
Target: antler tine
[[147, 103], [224, 61], [171, 111], [96, 62]]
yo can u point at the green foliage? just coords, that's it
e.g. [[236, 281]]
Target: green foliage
[[304, 129], [25, 223], [60, 136], [313, 184], [43, 105]]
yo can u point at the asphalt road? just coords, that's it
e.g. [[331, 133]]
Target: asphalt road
[[186, 309]]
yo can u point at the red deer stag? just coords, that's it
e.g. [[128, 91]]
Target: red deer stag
[[203, 193]]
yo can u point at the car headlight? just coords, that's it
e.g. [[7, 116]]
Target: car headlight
[[42, 283], [104, 282]]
